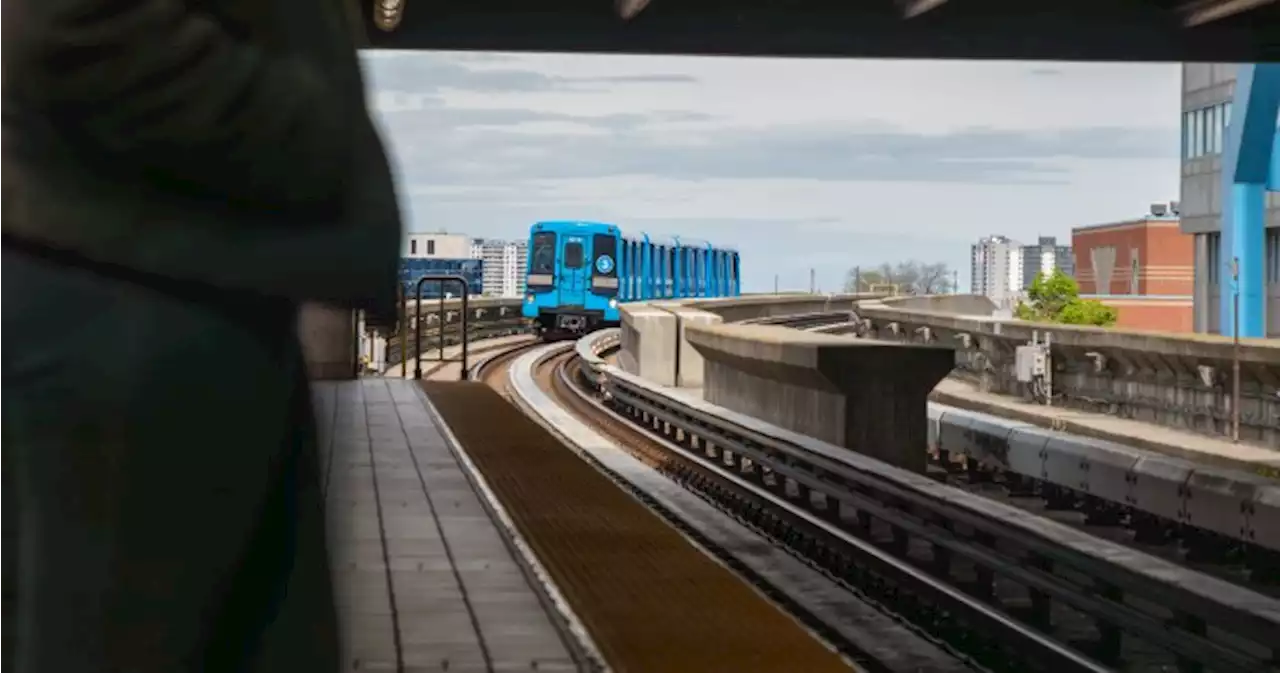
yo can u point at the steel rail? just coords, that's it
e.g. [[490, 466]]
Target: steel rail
[[1116, 582]]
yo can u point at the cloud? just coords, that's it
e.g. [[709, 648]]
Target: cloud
[[824, 165], [470, 72], [641, 79], [637, 144], [445, 143]]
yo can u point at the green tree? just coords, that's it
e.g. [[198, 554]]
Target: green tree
[[911, 276], [1056, 298]]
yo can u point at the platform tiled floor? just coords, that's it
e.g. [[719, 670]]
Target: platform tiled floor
[[424, 579]]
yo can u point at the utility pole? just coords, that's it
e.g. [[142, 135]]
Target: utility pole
[[775, 283], [1235, 349], [955, 282], [813, 282]]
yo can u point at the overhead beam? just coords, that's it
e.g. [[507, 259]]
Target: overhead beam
[[914, 8], [1207, 11], [628, 9]]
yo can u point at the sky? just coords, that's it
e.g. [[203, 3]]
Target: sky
[[800, 164]]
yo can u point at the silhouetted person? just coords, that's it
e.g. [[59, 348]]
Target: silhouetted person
[[179, 176]]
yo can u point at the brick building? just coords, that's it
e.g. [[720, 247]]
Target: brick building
[[1144, 267]]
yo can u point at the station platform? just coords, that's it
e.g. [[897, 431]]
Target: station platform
[[425, 578], [1183, 444]]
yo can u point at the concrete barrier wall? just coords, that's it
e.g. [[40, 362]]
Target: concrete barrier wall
[[654, 347], [649, 343], [747, 307], [957, 304], [1178, 380], [867, 396], [689, 364]]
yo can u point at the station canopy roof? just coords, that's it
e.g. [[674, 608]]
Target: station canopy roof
[[1224, 31]]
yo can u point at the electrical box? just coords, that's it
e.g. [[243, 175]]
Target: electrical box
[[1030, 362]]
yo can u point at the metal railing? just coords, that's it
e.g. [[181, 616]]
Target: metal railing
[[464, 292]]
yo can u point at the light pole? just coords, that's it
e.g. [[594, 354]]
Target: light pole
[[1235, 349]]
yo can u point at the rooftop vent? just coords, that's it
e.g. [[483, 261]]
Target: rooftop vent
[[1159, 209]]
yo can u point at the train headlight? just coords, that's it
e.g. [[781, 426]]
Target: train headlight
[[613, 303], [528, 298]]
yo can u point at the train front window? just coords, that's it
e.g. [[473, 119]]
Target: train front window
[[543, 259], [603, 246], [573, 255]]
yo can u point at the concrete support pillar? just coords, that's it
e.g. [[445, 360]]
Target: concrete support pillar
[[868, 396], [1200, 296], [329, 342]]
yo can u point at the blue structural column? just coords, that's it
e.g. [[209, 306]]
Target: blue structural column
[[1249, 168]]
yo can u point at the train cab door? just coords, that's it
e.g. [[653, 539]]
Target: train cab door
[[574, 273]]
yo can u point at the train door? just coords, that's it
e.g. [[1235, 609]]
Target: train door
[[604, 277], [574, 274]]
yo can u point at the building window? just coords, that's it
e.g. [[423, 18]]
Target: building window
[[431, 247], [413, 246], [1203, 130], [1213, 242]]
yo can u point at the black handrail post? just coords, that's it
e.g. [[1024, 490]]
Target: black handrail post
[[465, 288], [417, 328], [402, 330], [466, 318]]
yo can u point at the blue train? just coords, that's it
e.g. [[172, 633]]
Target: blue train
[[580, 271]]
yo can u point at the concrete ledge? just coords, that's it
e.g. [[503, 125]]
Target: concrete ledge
[[649, 344], [657, 350], [1176, 380], [689, 364], [868, 396], [735, 309]]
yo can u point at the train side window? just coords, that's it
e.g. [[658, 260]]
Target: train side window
[[573, 255], [671, 269], [702, 271], [543, 259]]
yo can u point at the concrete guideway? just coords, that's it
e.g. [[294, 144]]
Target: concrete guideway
[[811, 384], [1197, 448], [834, 471], [874, 634], [1177, 380]]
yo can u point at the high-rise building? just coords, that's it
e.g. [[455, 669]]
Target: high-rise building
[[504, 265], [996, 265], [1207, 92], [1045, 257]]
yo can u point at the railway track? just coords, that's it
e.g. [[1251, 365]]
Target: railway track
[[1007, 590], [1177, 542], [998, 595], [648, 600], [1205, 528]]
